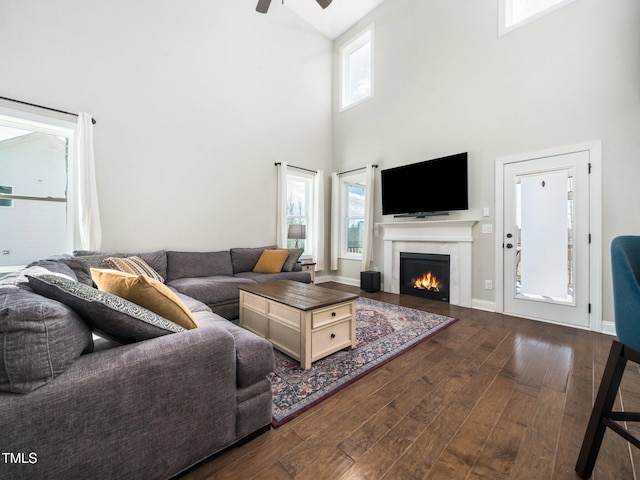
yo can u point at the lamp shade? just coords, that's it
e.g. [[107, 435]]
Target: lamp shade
[[297, 231]]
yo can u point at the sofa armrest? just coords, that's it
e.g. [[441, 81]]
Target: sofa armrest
[[254, 355], [144, 410]]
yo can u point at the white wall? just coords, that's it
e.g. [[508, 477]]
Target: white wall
[[446, 83], [195, 101]]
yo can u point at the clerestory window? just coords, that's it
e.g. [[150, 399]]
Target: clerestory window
[[356, 70], [516, 13]]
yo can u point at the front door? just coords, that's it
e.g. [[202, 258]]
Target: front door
[[546, 238]]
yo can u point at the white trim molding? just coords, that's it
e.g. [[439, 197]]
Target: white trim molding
[[506, 22], [595, 225], [447, 237]]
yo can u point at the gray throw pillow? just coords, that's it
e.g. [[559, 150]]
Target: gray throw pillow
[[39, 339], [294, 255], [109, 315]]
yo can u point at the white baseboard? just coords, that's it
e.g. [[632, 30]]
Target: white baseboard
[[334, 278], [486, 305], [608, 328]]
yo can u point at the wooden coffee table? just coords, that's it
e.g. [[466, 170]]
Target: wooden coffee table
[[304, 321]]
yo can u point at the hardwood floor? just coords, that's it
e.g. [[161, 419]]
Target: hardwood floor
[[491, 396]]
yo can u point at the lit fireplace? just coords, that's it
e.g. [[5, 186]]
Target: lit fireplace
[[427, 281], [425, 275]]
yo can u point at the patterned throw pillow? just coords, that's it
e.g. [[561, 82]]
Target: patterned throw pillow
[[109, 315], [134, 265], [147, 293]]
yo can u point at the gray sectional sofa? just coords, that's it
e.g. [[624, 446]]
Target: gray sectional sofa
[[79, 406], [213, 277]]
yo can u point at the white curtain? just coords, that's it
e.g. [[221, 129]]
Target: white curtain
[[367, 241], [335, 220], [88, 211], [318, 220], [281, 210]]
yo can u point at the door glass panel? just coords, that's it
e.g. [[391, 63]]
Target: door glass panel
[[544, 257]]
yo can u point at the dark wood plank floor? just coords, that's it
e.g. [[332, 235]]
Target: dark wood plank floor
[[491, 396]]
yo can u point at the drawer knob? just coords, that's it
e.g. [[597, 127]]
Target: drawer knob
[[333, 314], [333, 335]]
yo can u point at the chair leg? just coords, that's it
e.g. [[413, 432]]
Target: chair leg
[[601, 409]]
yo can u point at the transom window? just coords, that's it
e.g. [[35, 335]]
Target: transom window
[[356, 70], [515, 13]]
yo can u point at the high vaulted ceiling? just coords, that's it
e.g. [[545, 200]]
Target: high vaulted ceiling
[[336, 18]]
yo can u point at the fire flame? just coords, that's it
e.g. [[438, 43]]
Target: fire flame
[[428, 281]]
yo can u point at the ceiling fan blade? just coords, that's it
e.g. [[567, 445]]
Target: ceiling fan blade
[[263, 6], [324, 3]]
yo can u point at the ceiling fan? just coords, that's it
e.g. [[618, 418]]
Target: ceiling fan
[[263, 5]]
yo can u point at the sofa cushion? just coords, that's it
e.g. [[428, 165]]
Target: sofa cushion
[[39, 339], [210, 290], [21, 278], [244, 259], [198, 264], [194, 306], [303, 277], [134, 265], [55, 266], [80, 268], [294, 255], [109, 315], [156, 260], [271, 261], [146, 292]]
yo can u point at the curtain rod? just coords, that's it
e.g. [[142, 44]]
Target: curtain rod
[[93, 120], [299, 168], [356, 169]]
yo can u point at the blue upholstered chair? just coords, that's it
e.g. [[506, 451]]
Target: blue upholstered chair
[[625, 270]]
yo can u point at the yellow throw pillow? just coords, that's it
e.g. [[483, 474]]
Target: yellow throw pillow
[[146, 292], [271, 261]]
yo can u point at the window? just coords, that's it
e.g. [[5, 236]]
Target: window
[[356, 70], [352, 214], [6, 190], [515, 13], [300, 209], [34, 174]]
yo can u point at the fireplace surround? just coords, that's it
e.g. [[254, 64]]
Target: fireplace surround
[[444, 237], [425, 275]]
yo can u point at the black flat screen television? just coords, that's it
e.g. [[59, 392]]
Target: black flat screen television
[[426, 188]]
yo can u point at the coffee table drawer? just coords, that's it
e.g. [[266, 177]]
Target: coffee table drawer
[[333, 314], [330, 339]]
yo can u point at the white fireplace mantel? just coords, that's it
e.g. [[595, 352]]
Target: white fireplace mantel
[[445, 237]]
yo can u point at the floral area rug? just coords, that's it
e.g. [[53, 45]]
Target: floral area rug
[[383, 331]]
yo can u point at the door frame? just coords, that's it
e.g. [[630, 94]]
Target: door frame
[[595, 225]]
